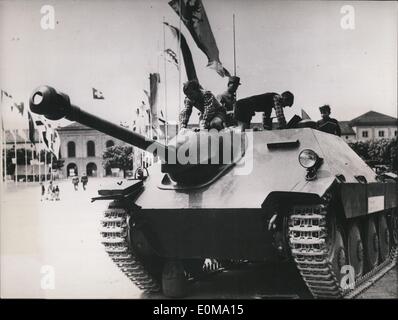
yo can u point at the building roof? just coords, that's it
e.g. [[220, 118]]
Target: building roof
[[74, 126], [373, 118], [346, 129]]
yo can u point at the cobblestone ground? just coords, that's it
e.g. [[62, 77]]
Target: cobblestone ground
[[60, 240]]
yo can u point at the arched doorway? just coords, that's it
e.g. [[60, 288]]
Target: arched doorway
[[71, 170], [91, 169], [108, 171]]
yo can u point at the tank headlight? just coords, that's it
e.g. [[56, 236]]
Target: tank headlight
[[308, 158]]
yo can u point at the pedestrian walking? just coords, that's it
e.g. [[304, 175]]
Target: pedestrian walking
[[75, 182], [50, 191], [84, 181], [56, 193], [43, 191]]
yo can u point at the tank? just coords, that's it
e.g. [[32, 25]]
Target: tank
[[295, 194]]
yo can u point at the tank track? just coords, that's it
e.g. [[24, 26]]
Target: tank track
[[114, 232], [307, 239]]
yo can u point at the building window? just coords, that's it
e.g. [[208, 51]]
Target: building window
[[71, 149], [109, 143], [381, 133], [346, 137], [364, 134], [395, 133], [90, 149]]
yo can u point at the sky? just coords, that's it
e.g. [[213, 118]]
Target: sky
[[298, 46]]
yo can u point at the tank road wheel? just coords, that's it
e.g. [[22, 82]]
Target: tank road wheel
[[371, 244], [337, 252], [175, 279], [355, 249], [384, 238]]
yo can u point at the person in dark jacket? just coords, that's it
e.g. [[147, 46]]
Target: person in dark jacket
[[327, 124], [246, 108], [75, 182], [84, 181]]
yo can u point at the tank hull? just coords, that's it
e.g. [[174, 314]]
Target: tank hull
[[216, 233]]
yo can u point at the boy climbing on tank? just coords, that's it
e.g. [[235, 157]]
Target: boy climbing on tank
[[212, 115], [246, 108]]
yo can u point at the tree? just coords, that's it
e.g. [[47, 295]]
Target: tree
[[119, 157], [378, 152], [361, 148]]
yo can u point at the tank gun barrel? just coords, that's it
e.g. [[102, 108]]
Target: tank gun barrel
[[55, 105]]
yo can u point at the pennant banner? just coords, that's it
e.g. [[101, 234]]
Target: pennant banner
[[172, 57], [186, 53], [48, 135], [193, 14], [98, 94]]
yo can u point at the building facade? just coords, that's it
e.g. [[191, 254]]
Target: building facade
[[82, 149], [369, 126], [374, 126]]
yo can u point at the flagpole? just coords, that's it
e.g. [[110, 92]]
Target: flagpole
[[51, 168], [2, 148], [233, 27], [26, 164], [5, 159], [45, 165], [16, 164], [165, 83], [39, 159], [32, 165], [179, 64]]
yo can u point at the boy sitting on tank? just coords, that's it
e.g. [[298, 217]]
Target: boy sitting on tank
[[246, 108], [328, 124], [212, 115]]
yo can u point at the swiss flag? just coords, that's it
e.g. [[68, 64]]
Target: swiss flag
[[98, 94]]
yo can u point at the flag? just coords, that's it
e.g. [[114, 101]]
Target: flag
[[20, 107], [304, 115], [186, 53], [98, 94], [154, 80], [124, 125], [49, 135], [5, 94], [172, 57], [193, 14]]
